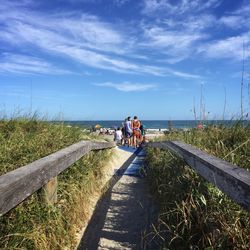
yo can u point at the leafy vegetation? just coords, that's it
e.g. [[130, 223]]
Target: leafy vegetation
[[34, 224], [193, 213]]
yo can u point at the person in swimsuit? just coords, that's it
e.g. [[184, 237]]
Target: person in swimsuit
[[136, 131]]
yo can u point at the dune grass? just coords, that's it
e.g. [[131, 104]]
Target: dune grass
[[229, 143], [193, 214], [34, 224]]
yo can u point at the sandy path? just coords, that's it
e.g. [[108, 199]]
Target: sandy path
[[124, 213]]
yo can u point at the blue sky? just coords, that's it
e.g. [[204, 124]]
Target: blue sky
[[107, 59]]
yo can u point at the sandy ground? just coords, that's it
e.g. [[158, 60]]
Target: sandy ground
[[149, 136], [123, 215]]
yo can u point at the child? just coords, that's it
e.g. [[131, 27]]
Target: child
[[118, 136]]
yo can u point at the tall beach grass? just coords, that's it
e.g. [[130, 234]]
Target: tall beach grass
[[34, 224], [193, 213]]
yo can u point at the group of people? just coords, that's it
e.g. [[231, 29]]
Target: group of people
[[132, 133]]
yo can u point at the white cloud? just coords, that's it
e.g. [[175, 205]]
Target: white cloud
[[89, 41], [78, 29], [185, 75], [120, 2], [7, 5], [153, 5], [176, 45], [186, 36], [85, 40], [56, 42], [199, 23], [243, 10], [178, 7], [96, 60], [127, 86], [173, 39], [22, 64], [180, 29], [231, 47], [89, 32], [231, 21], [237, 19]]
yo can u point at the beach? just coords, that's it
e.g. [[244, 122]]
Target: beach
[[150, 134]]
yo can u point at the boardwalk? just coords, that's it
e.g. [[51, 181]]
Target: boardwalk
[[123, 215]]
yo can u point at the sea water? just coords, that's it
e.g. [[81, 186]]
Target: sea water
[[153, 124]]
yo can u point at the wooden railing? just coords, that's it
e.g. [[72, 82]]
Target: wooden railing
[[17, 185], [230, 179]]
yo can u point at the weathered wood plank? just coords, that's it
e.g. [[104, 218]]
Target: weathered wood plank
[[230, 179], [49, 191], [19, 184]]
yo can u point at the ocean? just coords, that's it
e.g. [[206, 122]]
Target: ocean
[[153, 124]]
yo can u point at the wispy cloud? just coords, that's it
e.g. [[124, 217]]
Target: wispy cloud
[[183, 30], [120, 2], [177, 44], [186, 75], [243, 10], [127, 86], [175, 34], [231, 47], [232, 21], [177, 7], [237, 19], [22, 64], [85, 40], [92, 42], [174, 39]]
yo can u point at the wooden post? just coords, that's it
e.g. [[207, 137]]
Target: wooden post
[[49, 191]]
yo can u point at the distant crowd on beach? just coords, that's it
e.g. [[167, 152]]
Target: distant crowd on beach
[[131, 133]]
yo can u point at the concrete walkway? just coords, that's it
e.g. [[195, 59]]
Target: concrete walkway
[[123, 215]]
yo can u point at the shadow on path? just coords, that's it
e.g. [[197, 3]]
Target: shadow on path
[[94, 230]]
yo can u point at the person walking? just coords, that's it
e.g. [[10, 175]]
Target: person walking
[[136, 124], [128, 131]]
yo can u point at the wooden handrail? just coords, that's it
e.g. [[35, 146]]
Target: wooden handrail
[[17, 185], [230, 179]]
